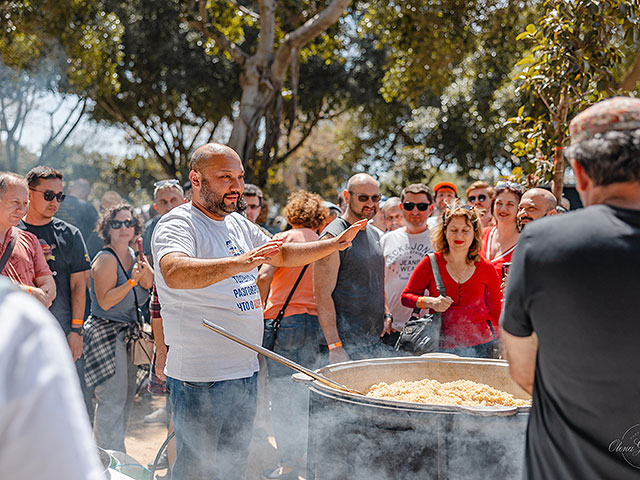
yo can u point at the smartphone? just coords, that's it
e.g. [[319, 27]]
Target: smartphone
[[505, 269], [140, 253]]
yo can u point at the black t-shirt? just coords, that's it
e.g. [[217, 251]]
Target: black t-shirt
[[65, 253], [359, 292], [575, 282]]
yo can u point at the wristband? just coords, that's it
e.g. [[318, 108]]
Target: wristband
[[132, 282], [420, 303], [333, 346], [77, 321], [29, 290]]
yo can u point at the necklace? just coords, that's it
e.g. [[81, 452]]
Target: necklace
[[460, 274]]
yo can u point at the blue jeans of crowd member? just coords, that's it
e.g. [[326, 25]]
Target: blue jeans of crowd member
[[213, 423], [297, 340]]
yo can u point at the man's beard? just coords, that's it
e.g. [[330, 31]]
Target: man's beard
[[214, 203], [522, 225], [360, 215]]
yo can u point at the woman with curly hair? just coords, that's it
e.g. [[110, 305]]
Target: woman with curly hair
[[298, 335], [471, 309], [118, 283]]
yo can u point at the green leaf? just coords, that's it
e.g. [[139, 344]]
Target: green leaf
[[531, 28]]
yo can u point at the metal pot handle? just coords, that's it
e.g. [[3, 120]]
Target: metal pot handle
[[301, 378], [489, 411]]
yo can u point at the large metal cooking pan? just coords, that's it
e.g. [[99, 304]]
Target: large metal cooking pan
[[361, 375], [355, 437]]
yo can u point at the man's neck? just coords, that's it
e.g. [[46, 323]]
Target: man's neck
[[350, 217], [3, 232], [621, 195], [37, 220], [196, 204], [414, 230]]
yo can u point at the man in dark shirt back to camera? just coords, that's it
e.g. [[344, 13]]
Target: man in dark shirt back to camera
[[571, 316]]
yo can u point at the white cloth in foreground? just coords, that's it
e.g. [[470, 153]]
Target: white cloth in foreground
[[44, 429]]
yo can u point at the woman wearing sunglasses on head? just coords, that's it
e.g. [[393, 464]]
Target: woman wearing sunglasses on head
[[119, 284], [499, 242], [471, 308]]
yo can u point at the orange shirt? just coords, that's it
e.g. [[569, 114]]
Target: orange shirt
[[303, 300], [27, 261]]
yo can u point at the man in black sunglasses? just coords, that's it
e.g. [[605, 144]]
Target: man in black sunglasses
[[479, 195], [403, 249], [65, 252]]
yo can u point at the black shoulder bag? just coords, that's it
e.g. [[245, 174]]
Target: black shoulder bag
[[271, 326], [422, 334], [141, 341], [9, 250]]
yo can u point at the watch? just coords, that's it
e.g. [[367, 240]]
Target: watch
[[388, 315], [78, 330]]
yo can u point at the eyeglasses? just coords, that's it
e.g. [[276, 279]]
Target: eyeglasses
[[165, 183], [408, 206], [510, 186], [117, 224], [365, 198], [253, 207], [480, 198], [50, 195]]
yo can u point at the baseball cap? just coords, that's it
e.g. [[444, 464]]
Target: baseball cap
[[440, 185]]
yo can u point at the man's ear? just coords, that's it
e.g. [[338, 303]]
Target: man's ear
[[195, 178], [553, 211], [582, 179], [155, 207]]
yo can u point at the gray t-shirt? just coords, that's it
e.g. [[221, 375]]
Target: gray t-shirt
[[574, 282], [359, 293], [402, 252]]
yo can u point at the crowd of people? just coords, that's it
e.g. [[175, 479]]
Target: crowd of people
[[339, 283]]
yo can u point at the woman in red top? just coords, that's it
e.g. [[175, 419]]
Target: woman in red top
[[499, 242], [471, 309]]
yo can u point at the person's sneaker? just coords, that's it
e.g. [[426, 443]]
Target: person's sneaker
[[159, 416]]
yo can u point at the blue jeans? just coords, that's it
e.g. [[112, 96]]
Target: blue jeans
[[213, 422], [298, 341]]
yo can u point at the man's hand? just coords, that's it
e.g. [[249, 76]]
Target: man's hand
[[343, 241], [338, 355], [40, 295], [161, 361], [75, 344], [387, 326], [256, 257]]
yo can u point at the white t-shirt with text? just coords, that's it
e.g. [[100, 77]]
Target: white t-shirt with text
[[196, 353], [402, 253]]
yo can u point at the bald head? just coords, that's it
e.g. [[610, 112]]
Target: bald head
[[211, 152], [536, 203], [361, 179]]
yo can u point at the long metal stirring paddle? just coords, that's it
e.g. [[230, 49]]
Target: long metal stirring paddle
[[276, 357]]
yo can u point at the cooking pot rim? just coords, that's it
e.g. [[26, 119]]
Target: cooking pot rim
[[328, 391]]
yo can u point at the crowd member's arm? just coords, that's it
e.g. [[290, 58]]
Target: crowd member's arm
[[47, 285], [179, 270], [388, 319], [78, 297], [521, 353], [146, 280], [265, 277], [104, 272], [422, 279], [493, 297], [325, 276]]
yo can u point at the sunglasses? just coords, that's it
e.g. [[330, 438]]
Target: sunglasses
[[511, 186], [253, 207], [480, 198], [165, 183], [365, 198], [408, 206], [117, 224], [50, 195]]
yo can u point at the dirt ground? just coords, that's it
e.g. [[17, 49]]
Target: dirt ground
[[143, 440]]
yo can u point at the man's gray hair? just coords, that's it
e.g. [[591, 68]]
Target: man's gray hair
[[389, 204], [609, 157], [10, 178]]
